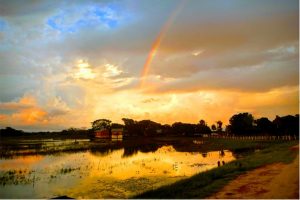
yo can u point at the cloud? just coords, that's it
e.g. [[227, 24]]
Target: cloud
[[27, 112], [12, 106], [15, 8], [212, 50], [258, 78], [24, 112], [150, 100]]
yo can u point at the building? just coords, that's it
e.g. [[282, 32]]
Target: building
[[117, 133], [102, 133]]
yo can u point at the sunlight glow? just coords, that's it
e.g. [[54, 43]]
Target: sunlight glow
[[197, 53], [111, 70], [84, 71]]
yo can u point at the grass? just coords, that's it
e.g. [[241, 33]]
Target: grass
[[14, 177], [215, 144], [67, 170], [207, 183]]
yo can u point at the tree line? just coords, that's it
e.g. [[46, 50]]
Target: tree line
[[245, 124], [239, 124], [242, 124]]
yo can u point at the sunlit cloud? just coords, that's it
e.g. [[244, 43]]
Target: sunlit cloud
[[198, 52], [25, 112], [67, 63], [111, 70], [84, 71]]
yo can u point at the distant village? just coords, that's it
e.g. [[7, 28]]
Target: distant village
[[242, 124]]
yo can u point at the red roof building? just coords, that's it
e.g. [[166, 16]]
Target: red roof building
[[103, 133]]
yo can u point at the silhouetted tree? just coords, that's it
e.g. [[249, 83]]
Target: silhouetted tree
[[228, 129], [131, 127], [148, 127], [179, 128], [166, 129], [241, 124], [116, 125], [264, 125], [287, 125], [213, 127], [219, 128], [101, 123], [187, 129], [203, 129], [8, 131], [202, 122]]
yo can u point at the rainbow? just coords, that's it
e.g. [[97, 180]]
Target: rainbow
[[158, 41]]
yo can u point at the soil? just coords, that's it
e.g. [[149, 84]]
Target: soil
[[275, 181]]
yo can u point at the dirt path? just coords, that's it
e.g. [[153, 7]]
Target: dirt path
[[280, 181]]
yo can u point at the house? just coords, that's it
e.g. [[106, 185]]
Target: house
[[102, 133], [117, 133]]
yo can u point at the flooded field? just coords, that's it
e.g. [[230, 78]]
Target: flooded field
[[98, 169]]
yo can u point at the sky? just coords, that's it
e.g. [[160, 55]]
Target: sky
[[67, 63]]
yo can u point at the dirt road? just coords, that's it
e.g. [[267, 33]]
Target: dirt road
[[280, 181]]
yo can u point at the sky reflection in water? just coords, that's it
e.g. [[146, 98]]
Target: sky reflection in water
[[96, 175]]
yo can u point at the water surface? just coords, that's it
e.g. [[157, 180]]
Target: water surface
[[118, 172]]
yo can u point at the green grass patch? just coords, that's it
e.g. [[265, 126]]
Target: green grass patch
[[207, 183], [211, 144]]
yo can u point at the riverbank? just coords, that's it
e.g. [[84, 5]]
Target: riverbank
[[206, 184]]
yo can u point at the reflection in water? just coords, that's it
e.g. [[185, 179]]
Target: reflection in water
[[118, 173]]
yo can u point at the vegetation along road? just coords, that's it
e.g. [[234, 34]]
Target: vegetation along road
[[271, 172], [272, 181]]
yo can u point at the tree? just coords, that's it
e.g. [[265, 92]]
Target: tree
[[202, 127], [187, 129], [148, 127], [130, 128], [101, 124], [241, 124], [202, 122], [219, 128], [228, 129], [116, 125], [287, 125], [8, 131], [213, 127], [166, 129], [264, 125], [128, 122], [178, 128]]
